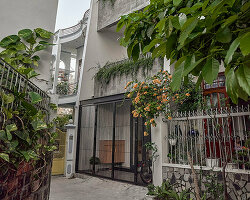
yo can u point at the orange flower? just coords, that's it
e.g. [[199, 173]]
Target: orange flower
[[157, 81], [159, 108], [135, 86], [145, 92], [169, 117], [145, 123], [147, 108], [135, 114], [145, 87], [155, 94], [158, 97], [129, 95], [128, 84], [160, 70], [170, 76], [146, 134], [187, 94], [152, 120], [154, 125]]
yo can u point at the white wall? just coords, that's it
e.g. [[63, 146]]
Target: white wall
[[100, 47], [20, 14]]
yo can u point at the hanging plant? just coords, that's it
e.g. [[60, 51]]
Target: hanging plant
[[125, 67]]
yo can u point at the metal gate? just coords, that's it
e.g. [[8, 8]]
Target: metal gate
[[111, 141]]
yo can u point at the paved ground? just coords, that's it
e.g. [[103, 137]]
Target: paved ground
[[92, 188]]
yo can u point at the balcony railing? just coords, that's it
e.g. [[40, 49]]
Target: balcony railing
[[213, 138], [73, 29], [12, 81]]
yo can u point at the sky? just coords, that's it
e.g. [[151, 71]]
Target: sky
[[70, 12]]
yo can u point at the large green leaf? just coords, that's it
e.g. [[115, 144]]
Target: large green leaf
[[136, 52], [3, 135], [245, 44], [7, 98], [151, 45], [189, 68], [229, 21], [182, 19], [5, 157], [210, 70], [231, 85], [224, 35], [29, 155], [177, 76], [187, 28], [9, 128], [40, 47], [242, 80], [159, 51], [231, 50], [43, 33], [35, 97], [12, 39], [24, 135], [176, 2], [38, 124], [25, 33]]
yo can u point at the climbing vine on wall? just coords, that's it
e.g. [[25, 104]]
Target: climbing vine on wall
[[125, 67]]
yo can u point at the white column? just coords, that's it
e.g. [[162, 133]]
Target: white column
[[57, 62], [157, 136], [70, 146]]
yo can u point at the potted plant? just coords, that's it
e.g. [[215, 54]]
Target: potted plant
[[94, 160]]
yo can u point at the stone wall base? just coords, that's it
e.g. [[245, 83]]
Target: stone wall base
[[238, 183]]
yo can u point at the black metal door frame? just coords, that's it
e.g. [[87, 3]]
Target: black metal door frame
[[133, 145]]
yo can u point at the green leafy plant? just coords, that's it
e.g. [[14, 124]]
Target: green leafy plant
[[153, 148], [22, 131], [125, 67], [214, 189], [197, 36], [167, 191], [62, 120], [20, 50]]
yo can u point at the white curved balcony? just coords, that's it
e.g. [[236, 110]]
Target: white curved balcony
[[67, 60]]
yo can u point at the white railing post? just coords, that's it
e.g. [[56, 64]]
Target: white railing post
[[57, 62], [70, 145]]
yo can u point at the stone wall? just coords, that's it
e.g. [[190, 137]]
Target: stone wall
[[238, 183], [117, 83], [109, 13]]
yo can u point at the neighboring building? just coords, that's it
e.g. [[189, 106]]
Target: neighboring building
[[22, 14], [105, 129]]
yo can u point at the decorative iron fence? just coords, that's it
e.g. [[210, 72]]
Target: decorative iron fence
[[213, 137], [12, 81]]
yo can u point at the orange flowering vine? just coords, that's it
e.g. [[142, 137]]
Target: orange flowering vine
[[153, 97]]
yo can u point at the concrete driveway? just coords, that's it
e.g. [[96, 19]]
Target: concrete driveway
[[92, 188]]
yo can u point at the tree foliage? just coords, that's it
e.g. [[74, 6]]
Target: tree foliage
[[20, 50], [198, 36]]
